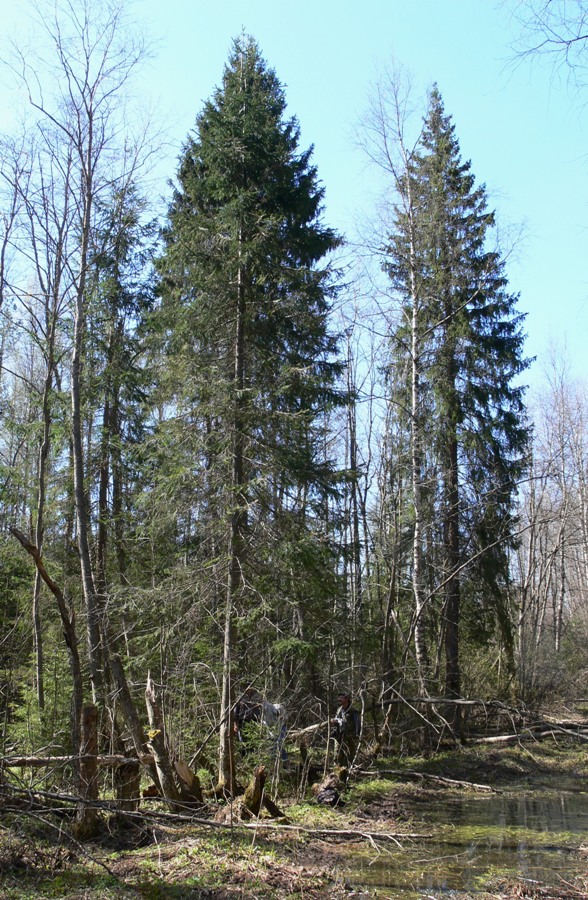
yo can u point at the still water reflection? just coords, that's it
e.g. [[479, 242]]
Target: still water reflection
[[563, 811], [479, 838]]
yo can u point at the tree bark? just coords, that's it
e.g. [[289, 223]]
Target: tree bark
[[452, 591], [86, 824], [158, 745], [226, 779], [127, 778]]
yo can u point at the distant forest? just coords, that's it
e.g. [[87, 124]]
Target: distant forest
[[230, 459]]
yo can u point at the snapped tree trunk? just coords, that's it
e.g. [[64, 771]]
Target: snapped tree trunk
[[158, 746]]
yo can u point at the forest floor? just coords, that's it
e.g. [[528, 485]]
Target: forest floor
[[160, 858]]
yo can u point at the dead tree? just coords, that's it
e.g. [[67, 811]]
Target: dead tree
[[179, 785]]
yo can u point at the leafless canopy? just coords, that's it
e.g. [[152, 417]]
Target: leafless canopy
[[557, 29]]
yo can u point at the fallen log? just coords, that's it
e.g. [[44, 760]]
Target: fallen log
[[535, 735], [571, 733], [37, 762], [565, 723], [189, 818], [511, 738], [453, 701], [424, 776], [310, 729]]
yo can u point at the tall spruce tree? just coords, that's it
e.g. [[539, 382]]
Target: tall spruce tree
[[246, 303], [461, 341]]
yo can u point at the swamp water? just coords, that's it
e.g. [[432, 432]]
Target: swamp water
[[475, 839]]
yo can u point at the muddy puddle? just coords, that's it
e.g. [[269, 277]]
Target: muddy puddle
[[478, 839]]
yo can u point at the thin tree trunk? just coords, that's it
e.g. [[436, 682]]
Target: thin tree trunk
[[82, 520], [69, 632], [40, 523], [452, 595], [86, 824], [356, 574], [227, 782]]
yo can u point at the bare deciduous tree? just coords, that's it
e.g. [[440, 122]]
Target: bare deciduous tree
[[77, 88], [557, 29]]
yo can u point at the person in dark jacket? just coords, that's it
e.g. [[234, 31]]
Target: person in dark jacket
[[346, 730]]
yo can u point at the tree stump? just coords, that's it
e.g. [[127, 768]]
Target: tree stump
[[255, 797], [190, 788]]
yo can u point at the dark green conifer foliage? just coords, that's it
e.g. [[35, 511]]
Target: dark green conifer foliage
[[475, 433], [120, 297], [245, 304]]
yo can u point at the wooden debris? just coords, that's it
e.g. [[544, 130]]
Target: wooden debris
[[328, 791], [190, 788], [158, 746], [37, 762], [255, 797]]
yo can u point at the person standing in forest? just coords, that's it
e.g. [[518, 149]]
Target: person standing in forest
[[247, 710], [347, 729]]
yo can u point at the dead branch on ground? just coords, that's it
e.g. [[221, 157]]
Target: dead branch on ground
[[424, 776]]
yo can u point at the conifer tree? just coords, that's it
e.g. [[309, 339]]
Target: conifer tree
[[246, 303], [466, 345]]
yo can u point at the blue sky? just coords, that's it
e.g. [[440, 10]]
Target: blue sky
[[520, 125]]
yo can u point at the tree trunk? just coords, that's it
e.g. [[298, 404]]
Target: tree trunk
[[86, 825], [158, 745], [238, 520], [130, 715], [40, 524], [82, 521], [452, 594], [127, 778], [417, 426]]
